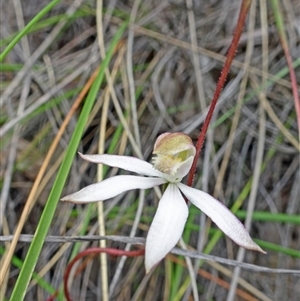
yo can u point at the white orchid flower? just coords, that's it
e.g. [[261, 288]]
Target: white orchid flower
[[174, 155]]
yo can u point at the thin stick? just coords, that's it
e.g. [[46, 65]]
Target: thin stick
[[141, 241], [101, 144]]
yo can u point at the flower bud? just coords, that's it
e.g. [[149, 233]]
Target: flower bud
[[173, 152]]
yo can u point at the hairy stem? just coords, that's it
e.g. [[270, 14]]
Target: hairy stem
[[220, 85]]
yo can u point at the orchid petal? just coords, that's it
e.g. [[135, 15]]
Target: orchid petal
[[221, 216], [111, 187], [184, 168], [125, 162], [167, 226]]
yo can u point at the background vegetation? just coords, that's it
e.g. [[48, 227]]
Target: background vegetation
[[57, 98]]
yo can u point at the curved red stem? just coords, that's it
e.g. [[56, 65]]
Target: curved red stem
[[220, 85], [95, 251]]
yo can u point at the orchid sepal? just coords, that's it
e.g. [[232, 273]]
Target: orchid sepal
[[111, 187], [167, 226], [221, 216]]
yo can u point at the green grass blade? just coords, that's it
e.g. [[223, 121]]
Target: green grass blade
[[17, 262], [277, 248], [25, 30], [19, 291], [45, 23], [271, 217]]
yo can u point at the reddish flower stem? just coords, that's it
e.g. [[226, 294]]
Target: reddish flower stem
[[95, 251], [220, 85]]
